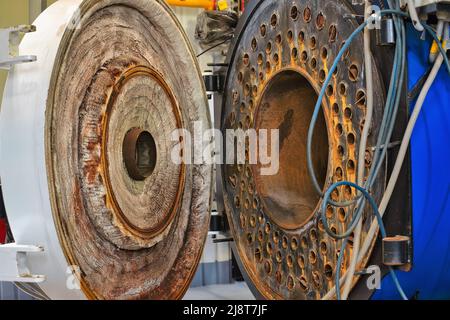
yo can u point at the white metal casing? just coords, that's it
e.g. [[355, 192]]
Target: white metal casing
[[22, 150]]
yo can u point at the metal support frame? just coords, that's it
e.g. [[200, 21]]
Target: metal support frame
[[13, 257], [9, 46], [14, 266]]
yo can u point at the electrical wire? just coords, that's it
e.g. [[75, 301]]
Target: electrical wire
[[363, 143], [33, 290], [390, 111], [392, 85], [414, 16], [213, 47], [386, 130], [384, 137], [403, 150], [394, 176], [402, 153], [317, 108], [378, 218], [321, 97]]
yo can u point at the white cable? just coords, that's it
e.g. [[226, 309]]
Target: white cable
[[397, 167], [362, 148], [32, 290], [414, 17], [402, 153]]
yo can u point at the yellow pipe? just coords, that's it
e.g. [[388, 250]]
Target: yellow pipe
[[205, 4]]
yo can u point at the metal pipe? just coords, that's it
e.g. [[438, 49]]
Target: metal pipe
[[205, 4]]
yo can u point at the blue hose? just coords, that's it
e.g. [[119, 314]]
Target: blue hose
[[380, 223], [384, 137]]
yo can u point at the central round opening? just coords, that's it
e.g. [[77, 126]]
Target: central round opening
[[139, 154], [287, 104]]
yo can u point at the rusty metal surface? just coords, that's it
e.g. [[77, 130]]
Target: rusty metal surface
[[287, 104], [278, 62], [127, 68]]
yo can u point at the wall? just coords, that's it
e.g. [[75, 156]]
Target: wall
[[12, 13]]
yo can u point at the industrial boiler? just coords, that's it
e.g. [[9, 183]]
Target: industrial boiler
[[319, 137]]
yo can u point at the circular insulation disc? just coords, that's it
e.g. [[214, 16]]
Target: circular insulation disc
[[122, 79], [280, 60]]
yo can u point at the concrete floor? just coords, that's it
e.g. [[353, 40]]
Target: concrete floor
[[236, 291]]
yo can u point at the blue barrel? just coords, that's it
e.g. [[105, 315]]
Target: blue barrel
[[430, 155]]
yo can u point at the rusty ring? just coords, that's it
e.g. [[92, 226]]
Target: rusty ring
[[124, 78]]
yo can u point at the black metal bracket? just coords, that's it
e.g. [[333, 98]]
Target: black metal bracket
[[222, 240], [217, 223], [214, 82]]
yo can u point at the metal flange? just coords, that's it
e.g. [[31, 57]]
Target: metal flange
[[279, 61]]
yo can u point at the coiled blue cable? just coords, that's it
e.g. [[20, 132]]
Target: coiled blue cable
[[386, 129], [380, 223]]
